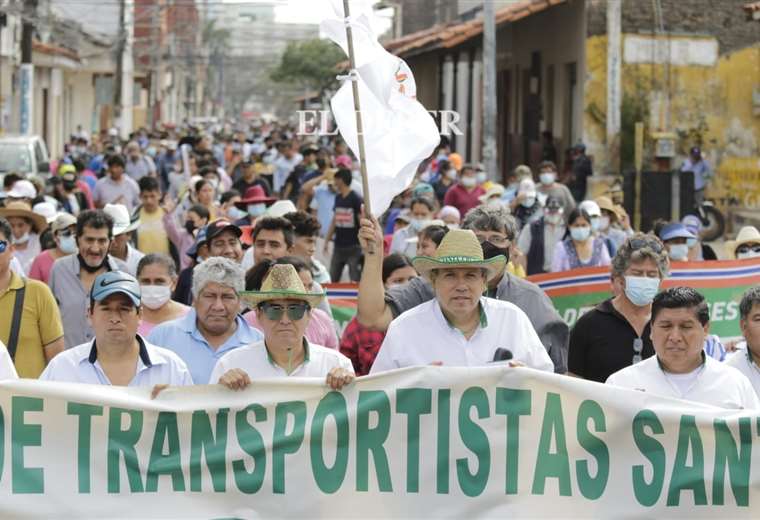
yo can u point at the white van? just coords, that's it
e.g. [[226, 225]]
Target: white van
[[24, 154]]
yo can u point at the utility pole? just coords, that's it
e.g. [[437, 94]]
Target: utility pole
[[489, 92], [122, 92], [614, 85], [26, 78]]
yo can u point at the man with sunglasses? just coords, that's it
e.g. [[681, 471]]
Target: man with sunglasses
[[680, 369], [283, 310], [213, 327], [616, 333], [30, 324]]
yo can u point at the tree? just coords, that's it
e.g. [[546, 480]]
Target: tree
[[310, 64]]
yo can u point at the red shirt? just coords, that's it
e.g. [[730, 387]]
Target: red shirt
[[461, 199], [360, 345]]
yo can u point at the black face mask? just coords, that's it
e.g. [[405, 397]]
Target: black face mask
[[89, 268], [69, 185], [490, 250], [189, 226]]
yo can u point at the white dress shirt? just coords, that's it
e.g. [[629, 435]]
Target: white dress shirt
[[254, 360], [742, 362], [715, 383], [422, 335]]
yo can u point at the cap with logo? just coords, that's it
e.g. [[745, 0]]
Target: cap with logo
[[218, 226], [116, 282]]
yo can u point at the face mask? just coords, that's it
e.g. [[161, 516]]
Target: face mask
[[528, 202], [84, 265], [580, 234], [23, 239], [418, 224], [451, 174], [596, 223], [494, 203], [68, 244], [547, 178], [155, 296], [256, 210], [747, 254], [481, 177], [691, 242], [236, 213], [510, 193], [553, 218], [678, 252], [69, 185], [641, 290], [604, 223], [490, 250], [468, 182], [189, 226]]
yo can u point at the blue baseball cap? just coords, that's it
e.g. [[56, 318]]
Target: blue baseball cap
[[114, 282], [674, 230], [200, 239]]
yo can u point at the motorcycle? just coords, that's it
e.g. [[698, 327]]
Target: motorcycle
[[713, 221]]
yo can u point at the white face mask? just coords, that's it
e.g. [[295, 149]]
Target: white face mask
[[68, 244], [604, 223], [528, 202], [580, 234], [481, 177], [236, 213], [747, 254], [553, 218], [256, 210], [678, 252], [451, 174], [547, 178], [23, 239], [155, 296], [468, 182]]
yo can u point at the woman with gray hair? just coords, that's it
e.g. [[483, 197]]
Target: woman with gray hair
[[616, 333], [213, 327]]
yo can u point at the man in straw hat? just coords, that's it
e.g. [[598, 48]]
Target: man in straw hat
[[460, 327], [27, 227], [283, 310], [746, 245]]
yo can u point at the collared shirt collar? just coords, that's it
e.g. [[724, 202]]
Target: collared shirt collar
[[243, 332], [305, 348], [92, 356], [704, 362], [481, 310], [16, 282]]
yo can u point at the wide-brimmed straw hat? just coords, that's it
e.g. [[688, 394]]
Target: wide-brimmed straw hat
[[746, 235], [281, 283], [19, 208], [459, 248]]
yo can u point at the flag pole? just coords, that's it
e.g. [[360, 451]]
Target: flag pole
[[357, 110]]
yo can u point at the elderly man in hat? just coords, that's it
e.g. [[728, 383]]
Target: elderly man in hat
[[283, 310], [460, 327], [117, 355], [213, 327], [123, 226], [27, 227]]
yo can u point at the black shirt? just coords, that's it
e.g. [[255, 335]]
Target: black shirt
[[347, 212], [601, 343]]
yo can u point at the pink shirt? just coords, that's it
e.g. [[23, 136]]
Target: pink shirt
[[145, 326], [461, 199], [320, 329], [41, 267]]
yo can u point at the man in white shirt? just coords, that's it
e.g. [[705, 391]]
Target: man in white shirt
[[746, 361], [680, 321], [460, 327], [283, 310], [117, 355], [123, 225]]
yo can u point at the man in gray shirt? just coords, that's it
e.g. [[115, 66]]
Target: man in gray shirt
[[72, 276], [138, 164], [116, 187], [495, 229]]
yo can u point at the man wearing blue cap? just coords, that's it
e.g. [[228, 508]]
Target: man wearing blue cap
[[676, 238], [117, 355]]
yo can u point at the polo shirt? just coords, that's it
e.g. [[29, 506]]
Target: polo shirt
[[40, 324], [743, 362], [7, 370], [73, 299], [423, 335], [601, 343], [182, 337], [716, 384], [155, 366], [256, 361]]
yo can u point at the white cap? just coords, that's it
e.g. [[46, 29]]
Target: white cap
[[121, 221], [47, 210], [22, 189], [280, 208], [590, 207]]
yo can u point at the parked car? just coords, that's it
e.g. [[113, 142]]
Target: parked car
[[24, 154]]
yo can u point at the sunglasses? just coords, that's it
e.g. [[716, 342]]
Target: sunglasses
[[639, 243], [295, 311], [3, 246], [65, 234], [638, 347], [755, 248]]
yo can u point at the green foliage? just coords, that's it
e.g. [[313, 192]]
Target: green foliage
[[310, 64]]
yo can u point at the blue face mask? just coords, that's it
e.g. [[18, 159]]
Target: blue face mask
[[580, 234], [68, 244], [641, 290], [236, 213], [256, 210]]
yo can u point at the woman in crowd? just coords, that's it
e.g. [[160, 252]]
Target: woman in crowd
[[360, 344], [64, 230], [581, 248], [183, 238], [157, 275], [321, 329], [205, 193]]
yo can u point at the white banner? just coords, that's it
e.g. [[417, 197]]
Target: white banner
[[425, 442]]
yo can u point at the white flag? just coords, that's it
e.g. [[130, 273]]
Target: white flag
[[398, 131]]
